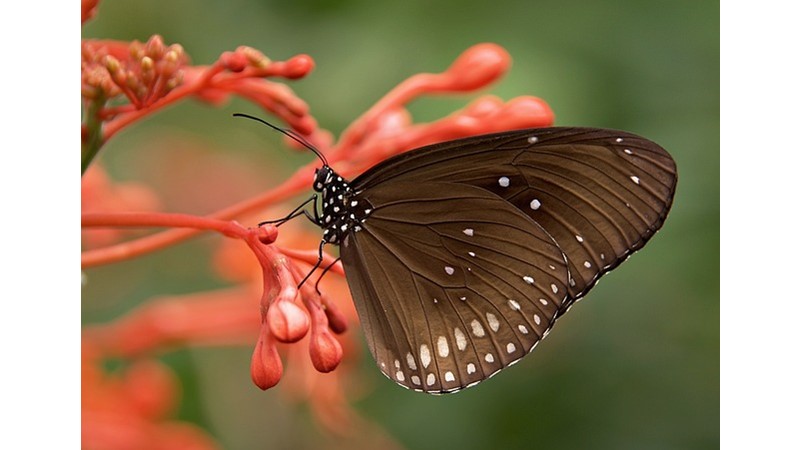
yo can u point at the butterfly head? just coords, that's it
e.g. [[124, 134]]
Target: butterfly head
[[323, 177]]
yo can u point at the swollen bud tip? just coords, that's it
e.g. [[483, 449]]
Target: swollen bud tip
[[325, 351], [287, 321], [266, 367], [478, 66]]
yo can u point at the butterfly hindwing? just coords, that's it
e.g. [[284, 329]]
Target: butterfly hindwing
[[451, 282]]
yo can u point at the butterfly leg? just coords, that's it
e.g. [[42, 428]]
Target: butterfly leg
[[316, 266], [298, 211], [316, 285]]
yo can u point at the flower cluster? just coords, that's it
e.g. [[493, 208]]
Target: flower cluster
[[124, 82]]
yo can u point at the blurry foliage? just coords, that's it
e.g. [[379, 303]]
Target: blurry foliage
[[635, 365]]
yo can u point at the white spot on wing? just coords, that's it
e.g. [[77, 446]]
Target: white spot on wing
[[449, 270], [400, 376], [415, 379], [535, 204], [523, 329], [461, 339], [504, 181], [528, 279], [412, 364], [424, 355], [513, 304], [441, 345], [477, 328], [494, 324], [448, 376], [635, 179], [511, 347], [533, 140], [470, 368], [468, 231], [431, 379], [489, 358]]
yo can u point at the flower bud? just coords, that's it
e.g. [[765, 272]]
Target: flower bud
[[266, 367], [336, 320], [478, 66], [325, 350], [234, 61], [155, 47], [527, 111], [287, 321], [255, 57], [298, 66]]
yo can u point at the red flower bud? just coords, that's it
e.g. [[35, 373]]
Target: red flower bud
[[298, 66], [325, 350], [154, 47], [527, 111], [266, 367], [478, 66], [336, 320], [287, 321], [234, 61]]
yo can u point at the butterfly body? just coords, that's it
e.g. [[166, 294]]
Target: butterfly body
[[341, 213], [461, 256]]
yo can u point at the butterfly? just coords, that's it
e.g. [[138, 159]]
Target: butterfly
[[460, 256]]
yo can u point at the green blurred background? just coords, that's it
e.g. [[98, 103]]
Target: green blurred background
[[634, 366]]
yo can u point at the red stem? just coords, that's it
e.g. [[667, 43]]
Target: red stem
[[137, 247], [174, 220]]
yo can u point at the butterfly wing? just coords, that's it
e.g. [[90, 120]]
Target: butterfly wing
[[600, 194], [451, 282]]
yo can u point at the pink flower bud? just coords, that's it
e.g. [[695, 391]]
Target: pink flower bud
[[298, 66], [154, 47], [266, 367], [527, 111], [325, 350], [478, 66], [254, 57], [336, 320], [287, 321], [234, 61]]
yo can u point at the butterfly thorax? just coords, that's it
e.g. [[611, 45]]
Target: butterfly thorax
[[342, 212]]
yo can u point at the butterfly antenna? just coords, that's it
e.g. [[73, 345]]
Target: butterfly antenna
[[287, 132]]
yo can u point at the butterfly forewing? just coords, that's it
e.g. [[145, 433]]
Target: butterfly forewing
[[600, 194], [451, 282]]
